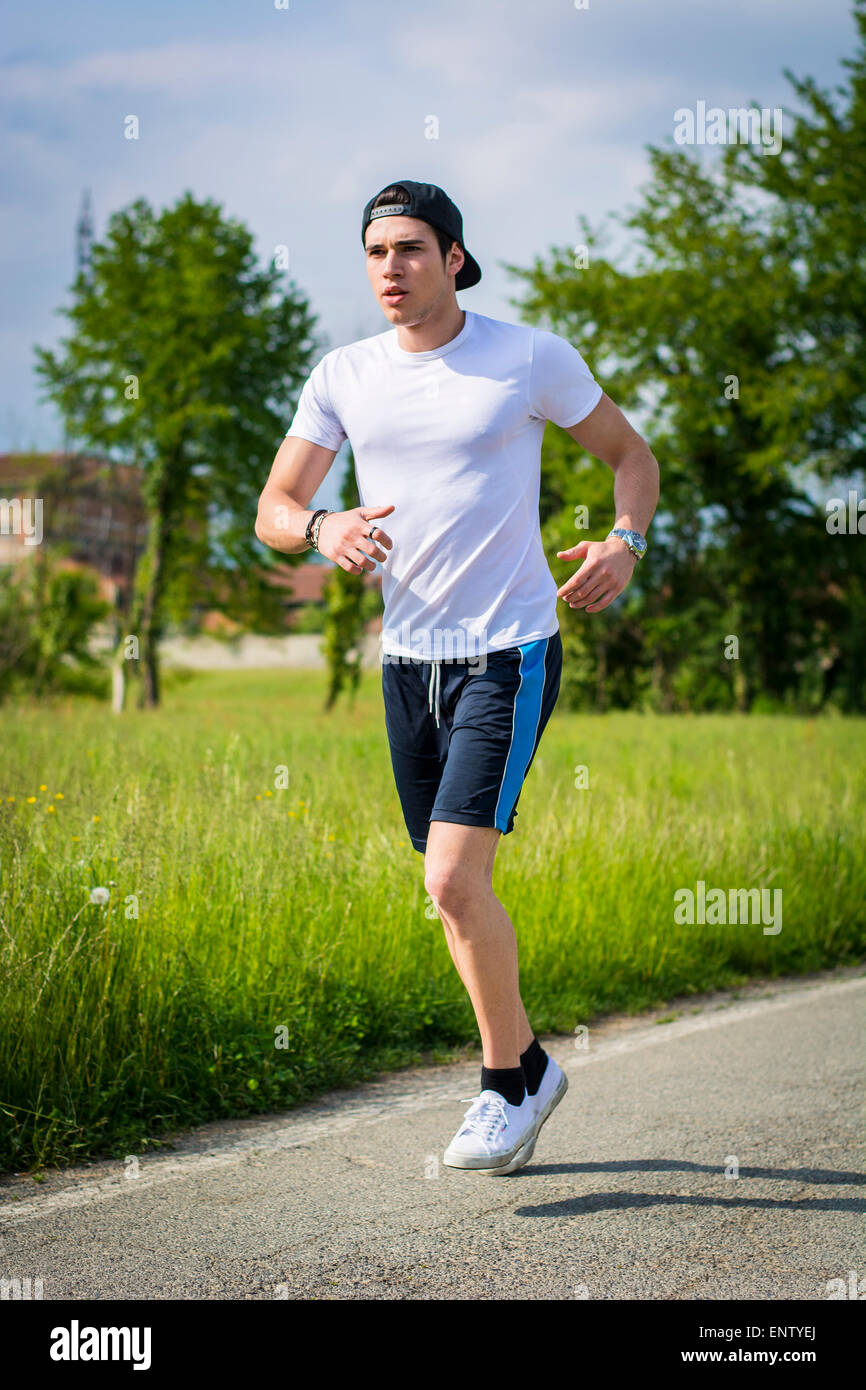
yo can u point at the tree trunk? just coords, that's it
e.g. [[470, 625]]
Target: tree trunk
[[149, 698], [150, 674], [143, 621]]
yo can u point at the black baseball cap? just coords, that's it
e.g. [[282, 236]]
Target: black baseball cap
[[430, 204]]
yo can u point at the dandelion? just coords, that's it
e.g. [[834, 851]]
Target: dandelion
[[258, 796], [58, 796], [114, 859], [49, 808], [332, 837], [99, 896], [268, 793], [31, 799], [97, 818], [10, 798], [291, 813], [76, 837], [43, 788]]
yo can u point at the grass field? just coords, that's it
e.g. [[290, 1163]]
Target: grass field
[[261, 943]]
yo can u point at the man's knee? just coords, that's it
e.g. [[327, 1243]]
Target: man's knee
[[458, 866], [453, 887]]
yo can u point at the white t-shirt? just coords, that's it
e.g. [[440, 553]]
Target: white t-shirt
[[452, 438]]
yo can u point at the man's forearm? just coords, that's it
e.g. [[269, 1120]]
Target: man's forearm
[[281, 522], [636, 489]]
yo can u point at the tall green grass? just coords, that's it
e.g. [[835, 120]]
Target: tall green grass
[[304, 908]]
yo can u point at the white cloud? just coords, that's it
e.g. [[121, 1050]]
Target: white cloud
[[186, 68]]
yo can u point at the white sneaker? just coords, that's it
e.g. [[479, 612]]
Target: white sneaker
[[553, 1086], [495, 1137]]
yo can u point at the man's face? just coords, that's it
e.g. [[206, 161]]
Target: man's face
[[403, 252]]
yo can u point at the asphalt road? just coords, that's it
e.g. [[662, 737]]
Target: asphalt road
[[626, 1195]]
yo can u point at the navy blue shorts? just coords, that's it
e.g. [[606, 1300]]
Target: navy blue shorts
[[463, 735]]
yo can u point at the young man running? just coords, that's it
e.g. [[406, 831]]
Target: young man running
[[445, 414]]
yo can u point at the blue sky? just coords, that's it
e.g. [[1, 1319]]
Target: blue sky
[[293, 118]]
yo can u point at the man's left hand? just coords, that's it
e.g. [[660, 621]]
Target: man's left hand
[[607, 567]]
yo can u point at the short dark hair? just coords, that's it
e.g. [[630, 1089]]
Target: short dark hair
[[398, 194]]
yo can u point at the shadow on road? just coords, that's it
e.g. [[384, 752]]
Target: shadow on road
[[600, 1201]]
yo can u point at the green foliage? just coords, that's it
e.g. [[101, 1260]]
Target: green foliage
[[311, 617], [186, 359], [47, 617], [734, 335], [816, 200]]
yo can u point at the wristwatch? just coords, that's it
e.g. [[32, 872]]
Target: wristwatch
[[633, 539]]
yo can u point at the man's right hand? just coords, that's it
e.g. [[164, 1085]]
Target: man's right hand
[[344, 537]]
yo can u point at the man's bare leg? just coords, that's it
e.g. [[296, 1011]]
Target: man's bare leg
[[458, 875]]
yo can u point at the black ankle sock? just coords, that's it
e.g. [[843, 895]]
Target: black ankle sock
[[533, 1062], [508, 1081]]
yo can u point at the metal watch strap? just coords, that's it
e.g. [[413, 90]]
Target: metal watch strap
[[624, 534]]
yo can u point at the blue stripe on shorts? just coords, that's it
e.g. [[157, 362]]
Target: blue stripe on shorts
[[527, 712]]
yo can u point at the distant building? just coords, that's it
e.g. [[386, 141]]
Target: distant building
[[92, 513]]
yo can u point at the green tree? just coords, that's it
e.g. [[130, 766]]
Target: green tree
[[707, 338], [816, 192], [185, 358], [47, 616]]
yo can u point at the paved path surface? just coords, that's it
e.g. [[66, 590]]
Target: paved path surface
[[625, 1197]]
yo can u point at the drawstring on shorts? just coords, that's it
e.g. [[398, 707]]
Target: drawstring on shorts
[[435, 683]]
